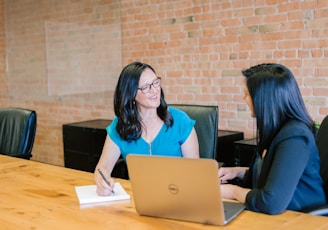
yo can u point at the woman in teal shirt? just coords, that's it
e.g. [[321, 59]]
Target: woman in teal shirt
[[167, 142], [143, 124]]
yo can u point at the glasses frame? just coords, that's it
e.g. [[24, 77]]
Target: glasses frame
[[146, 87]]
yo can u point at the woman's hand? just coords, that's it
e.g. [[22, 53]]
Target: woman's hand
[[234, 192], [109, 156], [103, 188], [229, 173], [227, 191]]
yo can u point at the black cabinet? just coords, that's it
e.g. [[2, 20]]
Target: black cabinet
[[225, 146], [244, 152], [83, 143]]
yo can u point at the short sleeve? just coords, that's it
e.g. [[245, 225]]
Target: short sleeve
[[183, 124], [112, 133]]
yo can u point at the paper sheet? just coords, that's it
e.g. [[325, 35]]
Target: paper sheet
[[87, 194]]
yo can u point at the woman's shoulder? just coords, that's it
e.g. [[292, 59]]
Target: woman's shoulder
[[114, 121], [112, 126], [295, 128], [296, 125]]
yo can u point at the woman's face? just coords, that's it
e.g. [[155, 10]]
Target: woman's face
[[248, 100], [152, 98]]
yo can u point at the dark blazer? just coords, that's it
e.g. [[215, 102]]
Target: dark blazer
[[289, 177]]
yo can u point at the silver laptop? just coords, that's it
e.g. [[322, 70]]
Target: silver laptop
[[180, 189]]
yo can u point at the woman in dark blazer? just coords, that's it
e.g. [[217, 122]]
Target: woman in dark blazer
[[285, 172]]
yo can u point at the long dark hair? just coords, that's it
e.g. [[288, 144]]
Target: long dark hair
[[276, 98], [129, 122]]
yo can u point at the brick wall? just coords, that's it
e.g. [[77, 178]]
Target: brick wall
[[3, 77], [198, 47]]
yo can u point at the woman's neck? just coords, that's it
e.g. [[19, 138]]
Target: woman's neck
[[151, 125], [149, 116]]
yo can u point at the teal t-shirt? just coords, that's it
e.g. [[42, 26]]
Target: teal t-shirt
[[167, 142]]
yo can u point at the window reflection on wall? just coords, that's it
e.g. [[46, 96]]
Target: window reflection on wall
[[81, 58], [55, 56]]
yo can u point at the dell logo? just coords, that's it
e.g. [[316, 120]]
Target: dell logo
[[173, 189]]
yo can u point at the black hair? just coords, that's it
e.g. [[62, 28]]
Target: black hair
[[276, 98], [129, 121]]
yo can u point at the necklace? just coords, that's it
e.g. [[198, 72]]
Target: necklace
[[151, 129]]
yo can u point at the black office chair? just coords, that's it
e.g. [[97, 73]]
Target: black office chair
[[322, 143], [206, 117], [17, 132], [120, 169]]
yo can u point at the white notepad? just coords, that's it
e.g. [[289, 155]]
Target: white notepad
[[87, 194]]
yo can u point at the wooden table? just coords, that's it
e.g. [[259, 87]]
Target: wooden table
[[40, 196]]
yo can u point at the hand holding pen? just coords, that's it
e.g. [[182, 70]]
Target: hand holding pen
[[107, 182]]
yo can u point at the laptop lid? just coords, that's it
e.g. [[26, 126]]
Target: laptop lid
[[179, 188]]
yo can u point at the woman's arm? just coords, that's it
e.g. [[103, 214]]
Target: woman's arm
[[281, 175], [108, 158], [190, 148], [229, 191]]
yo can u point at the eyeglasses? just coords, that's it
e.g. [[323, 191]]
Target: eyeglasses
[[146, 88]]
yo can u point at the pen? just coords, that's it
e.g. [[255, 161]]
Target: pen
[[103, 176]]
